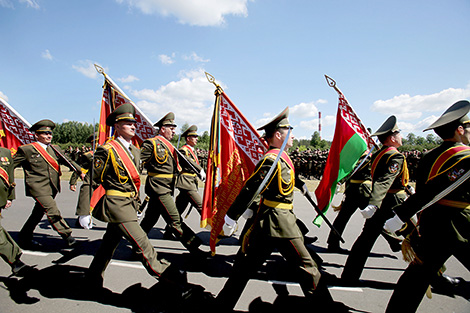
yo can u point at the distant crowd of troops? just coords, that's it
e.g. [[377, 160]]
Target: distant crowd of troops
[[309, 163]]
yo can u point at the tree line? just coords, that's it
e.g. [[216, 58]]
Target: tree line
[[75, 134]]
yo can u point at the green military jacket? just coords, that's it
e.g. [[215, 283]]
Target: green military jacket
[[161, 165], [389, 174], [449, 217], [7, 188], [41, 179], [275, 216], [187, 179], [110, 172]]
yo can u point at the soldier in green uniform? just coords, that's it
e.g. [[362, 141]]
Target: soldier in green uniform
[[161, 160], [41, 165], [9, 250], [83, 204], [356, 195], [116, 201], [389, 175], [274, 225], [187, 181], [443, 229]]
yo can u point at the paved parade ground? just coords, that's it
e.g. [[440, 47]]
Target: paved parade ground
[[58, 285]]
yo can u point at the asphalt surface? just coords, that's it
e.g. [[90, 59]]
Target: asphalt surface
[[58, 286]]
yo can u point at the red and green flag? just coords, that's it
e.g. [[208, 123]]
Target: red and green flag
[[350, 140]]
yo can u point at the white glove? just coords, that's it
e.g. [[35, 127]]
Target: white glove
[[248, 213], [139, 215], [85, 221], [202, 175], [393, 224], [229, 226], [369, 211]]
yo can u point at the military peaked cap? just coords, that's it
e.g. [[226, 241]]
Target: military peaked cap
[[124, 112], [42, 126], [456, 113], [280, 121], [388, 127], [191, 131], [167, 120]]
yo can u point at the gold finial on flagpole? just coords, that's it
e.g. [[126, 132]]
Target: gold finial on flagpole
[[331, 82], [211, 79], [99, 69]]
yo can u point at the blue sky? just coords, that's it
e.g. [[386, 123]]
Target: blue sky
[[407, 58]]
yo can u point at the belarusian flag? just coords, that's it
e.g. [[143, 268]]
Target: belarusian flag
[[351, 139], [234, 151], [113, 96]]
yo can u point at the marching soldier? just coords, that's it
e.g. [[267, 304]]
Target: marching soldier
[[389, 175], [356, 195], [161, 160], [443, 229], [9, 249], [41, 165], [187, 181], [274, 225], [116, 201], [83, 204]]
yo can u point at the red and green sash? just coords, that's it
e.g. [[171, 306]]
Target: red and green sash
[[4, 175], [437, 167], [49, 159], [188, 148], [169, 147], [131, 170]]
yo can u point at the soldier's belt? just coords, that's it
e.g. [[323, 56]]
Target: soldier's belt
[[278, 205], [160, 175], [396, 191], [454, 204], [360, 181], [189, 174], [117, 193]]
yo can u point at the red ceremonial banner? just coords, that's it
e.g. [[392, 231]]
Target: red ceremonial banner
[[14, 129], [236, 148]]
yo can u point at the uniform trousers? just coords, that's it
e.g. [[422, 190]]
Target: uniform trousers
[[9, 250], [365, 242], [186, 197], [433, 249], [165, 206], [83, 203], [138, 238], [47, 205], [351, 203], [260, 248]]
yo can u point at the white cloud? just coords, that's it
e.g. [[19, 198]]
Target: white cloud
[[47, 55], [6, 4], [30, 3], [128, 79], [3, 96], [87, 68], [407, 107], [304, 109], [194, 57], [192, 12], [191, 99], [166, 59]]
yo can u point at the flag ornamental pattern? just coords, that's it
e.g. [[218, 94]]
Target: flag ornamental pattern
[[113, 98], [236, 148], [350, 140], [15, 128]]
